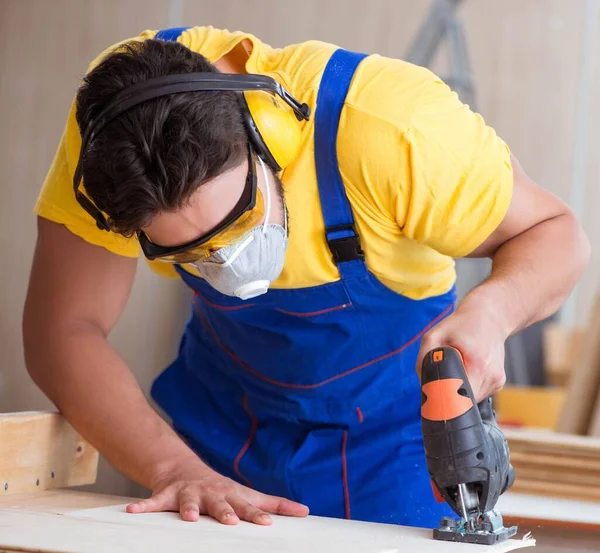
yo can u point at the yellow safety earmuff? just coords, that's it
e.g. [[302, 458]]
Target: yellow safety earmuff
[[274, 130]]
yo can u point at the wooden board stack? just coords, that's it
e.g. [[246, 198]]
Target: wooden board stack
[[556, 465]]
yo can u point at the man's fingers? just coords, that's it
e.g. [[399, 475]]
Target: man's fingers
[[189, 505], [228, 508], [282, 506], [220, 510], [162, 501], [248, 512]]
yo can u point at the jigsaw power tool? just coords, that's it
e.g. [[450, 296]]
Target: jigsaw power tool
[[467, 453]]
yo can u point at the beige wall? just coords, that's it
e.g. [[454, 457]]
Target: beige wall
[[525, 58]]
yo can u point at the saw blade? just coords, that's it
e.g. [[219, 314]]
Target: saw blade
[[468, 500]]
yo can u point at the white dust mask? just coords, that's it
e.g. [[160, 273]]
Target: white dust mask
[[247, 268]]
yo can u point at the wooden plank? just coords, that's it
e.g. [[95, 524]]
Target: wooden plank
[[545, 440], [562, 464], [584, 384], [42, 451], [579, 478], [557, 489], [112, 529], [568, 462]]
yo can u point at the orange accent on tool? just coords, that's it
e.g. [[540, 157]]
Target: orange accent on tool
[[436, 493], [443, 402], [438, 356]]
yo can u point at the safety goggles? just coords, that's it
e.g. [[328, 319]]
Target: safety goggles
[[246, 214]]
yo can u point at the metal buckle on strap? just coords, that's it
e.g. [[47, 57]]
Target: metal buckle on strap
[[347, 248]]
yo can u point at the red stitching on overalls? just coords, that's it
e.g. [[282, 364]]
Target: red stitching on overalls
[[314, 313], [236, 463], [294, 313], [359, 415], [222, 307], [345, 476], [328, 380]]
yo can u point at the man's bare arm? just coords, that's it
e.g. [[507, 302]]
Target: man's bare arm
[[76, 294]]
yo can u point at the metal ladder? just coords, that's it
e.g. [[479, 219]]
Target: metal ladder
[[442, 23]]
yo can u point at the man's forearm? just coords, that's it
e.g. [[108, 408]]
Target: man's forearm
[[532, 274], [94, 389]]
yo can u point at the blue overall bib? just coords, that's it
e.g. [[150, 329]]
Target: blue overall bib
[[312, 393]]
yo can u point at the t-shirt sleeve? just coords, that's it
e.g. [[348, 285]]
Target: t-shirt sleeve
[[57, 202], [424, 159], [459, 176]]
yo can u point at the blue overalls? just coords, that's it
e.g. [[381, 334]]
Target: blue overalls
[[312, 394]]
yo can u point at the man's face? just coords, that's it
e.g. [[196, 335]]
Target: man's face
[[211, 203]]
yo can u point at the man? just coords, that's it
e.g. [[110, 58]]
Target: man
[[319, 244]]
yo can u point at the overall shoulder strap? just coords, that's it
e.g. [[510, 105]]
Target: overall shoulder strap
[[340, 231], [171, 34]]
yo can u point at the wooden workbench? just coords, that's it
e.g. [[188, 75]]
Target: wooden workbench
[[78, 522], [38, 514], [555, 524]]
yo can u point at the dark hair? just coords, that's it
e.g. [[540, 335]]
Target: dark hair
[[153, 157]]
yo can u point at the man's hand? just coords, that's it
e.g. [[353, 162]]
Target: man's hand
[[195, 489], [477, 332]]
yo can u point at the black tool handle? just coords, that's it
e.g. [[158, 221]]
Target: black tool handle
[[463, 443]]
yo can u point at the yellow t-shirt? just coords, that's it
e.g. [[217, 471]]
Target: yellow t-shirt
[[427, 179]]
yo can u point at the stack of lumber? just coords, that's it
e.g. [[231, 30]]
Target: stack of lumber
[[556, 465]]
